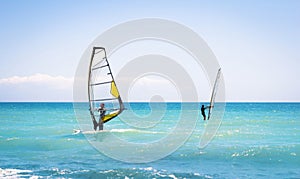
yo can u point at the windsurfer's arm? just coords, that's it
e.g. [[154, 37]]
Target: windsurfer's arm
[[209, 107]]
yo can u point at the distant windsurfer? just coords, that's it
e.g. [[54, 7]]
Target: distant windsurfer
[[102, 112], [203, 111]]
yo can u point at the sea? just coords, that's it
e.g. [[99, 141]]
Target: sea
[[254, 140]]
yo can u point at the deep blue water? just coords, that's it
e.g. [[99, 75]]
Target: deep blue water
[[255, 140]]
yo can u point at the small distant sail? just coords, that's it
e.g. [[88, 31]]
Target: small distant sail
[[102, 87], [213, 94]]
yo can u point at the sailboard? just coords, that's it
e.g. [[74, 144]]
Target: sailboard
[[213, 94], [102, 88]]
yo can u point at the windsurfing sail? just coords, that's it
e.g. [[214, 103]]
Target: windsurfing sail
[[102, 88], [213, 94]]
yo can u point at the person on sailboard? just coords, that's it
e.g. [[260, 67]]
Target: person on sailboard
[[203, 111], [102, 112]]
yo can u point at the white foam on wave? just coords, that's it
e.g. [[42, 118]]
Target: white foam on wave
[[172, 176], [197, 174], [12, 138], [78, 131], [136, 131], [16, 173], [124, 130], [147, 168], [93, 132]]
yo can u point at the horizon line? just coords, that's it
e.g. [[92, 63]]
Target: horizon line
[[153, 102]]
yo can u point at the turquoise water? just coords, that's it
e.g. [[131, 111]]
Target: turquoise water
[[255, 140]]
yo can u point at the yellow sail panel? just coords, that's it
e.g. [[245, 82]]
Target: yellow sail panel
[[113, 90], [110, 116]]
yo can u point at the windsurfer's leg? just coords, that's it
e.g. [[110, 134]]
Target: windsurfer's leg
[[204, 116], [100, 125]]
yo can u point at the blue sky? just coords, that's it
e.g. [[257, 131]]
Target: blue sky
[[256, 43]]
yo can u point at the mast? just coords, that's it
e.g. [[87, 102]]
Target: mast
[[90, 89]]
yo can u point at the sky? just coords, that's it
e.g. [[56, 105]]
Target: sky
[[256, 43]]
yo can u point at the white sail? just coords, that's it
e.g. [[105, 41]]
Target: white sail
[[213, 94]]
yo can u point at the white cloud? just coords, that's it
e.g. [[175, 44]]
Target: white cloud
[[58, 82], [37, 87], [153, 80]]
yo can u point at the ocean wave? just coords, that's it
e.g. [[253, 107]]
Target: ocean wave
[[146, 172], [228, 133], [270, 152], [15, 173]]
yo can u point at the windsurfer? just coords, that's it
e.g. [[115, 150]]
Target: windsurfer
[[203, 111], [102, 112]]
